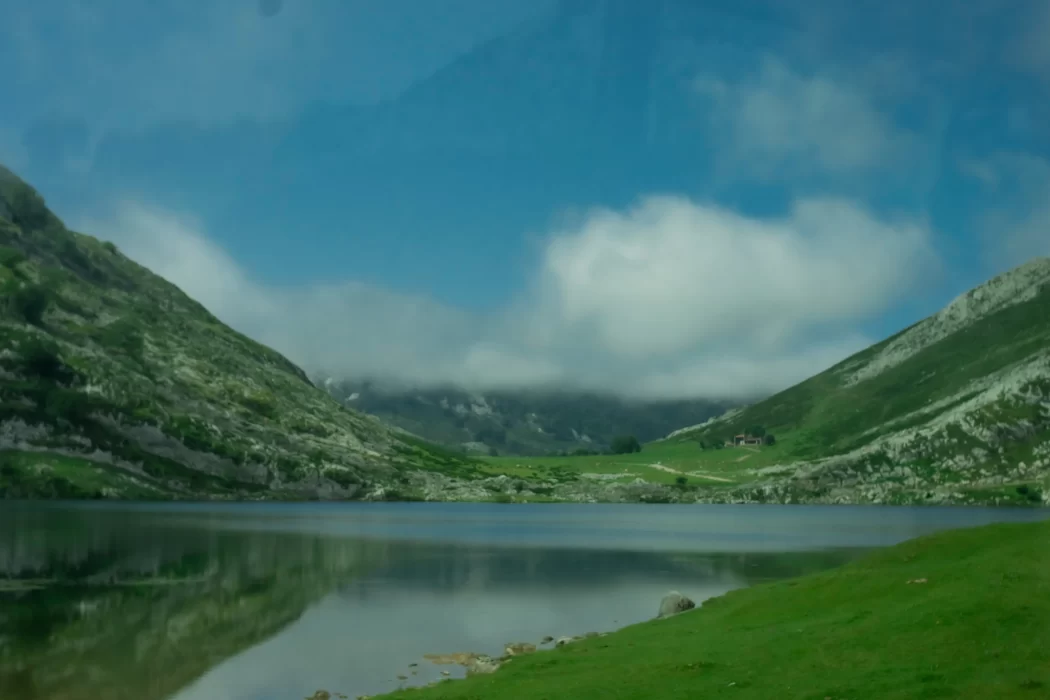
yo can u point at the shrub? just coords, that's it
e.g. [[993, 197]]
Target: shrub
[[343, 477], [681, 481], [261, 402], [70, 253], [30, 303], [10, 257], [71, 406], [123, 335], [1034, 495], [625, 444], [40, 359]]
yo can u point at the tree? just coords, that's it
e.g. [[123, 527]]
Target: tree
[[681, 481], [625, 444], [770, 439], [31, 302], [40, 359], [757, 431]]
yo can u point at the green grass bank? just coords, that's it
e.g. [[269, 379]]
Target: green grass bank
[[958, 614]]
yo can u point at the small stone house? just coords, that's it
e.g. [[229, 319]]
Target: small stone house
[[745, 439]]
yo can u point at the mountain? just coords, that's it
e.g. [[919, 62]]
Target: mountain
[[115, 383], [519, 422], [957, 404]]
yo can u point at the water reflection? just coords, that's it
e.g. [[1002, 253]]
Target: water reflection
[[221, 602], [117, 608]]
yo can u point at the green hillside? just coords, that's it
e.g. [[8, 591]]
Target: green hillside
[[113, 383], [829, 414], [961, 399], [955, 409]]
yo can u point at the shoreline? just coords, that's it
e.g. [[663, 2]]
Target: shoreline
[[836, 634]]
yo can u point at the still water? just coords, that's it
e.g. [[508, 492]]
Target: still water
[[276, 601]]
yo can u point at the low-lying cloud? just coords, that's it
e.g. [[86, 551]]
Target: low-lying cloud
[[672, 298]]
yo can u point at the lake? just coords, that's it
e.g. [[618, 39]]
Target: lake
[[275, 601]]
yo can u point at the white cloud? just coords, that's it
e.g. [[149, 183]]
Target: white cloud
[[780, 121], [669, 299]]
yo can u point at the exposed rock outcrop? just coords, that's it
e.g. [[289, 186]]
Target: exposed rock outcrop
[[674, 603]]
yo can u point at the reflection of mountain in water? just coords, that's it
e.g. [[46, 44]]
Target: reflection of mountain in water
[[100, 613], [447, 568], [138, 605]]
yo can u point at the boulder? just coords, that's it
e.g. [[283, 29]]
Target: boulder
[[674, 603], [482, 664], [519, 648]]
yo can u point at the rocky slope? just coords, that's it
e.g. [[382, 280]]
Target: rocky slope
[[954, 408], [113, 382], [518, 422]]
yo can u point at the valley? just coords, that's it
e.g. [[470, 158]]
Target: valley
[[115, 385]]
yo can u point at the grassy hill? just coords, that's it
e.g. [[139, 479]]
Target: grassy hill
[[957, 402], [113, 383], [959, 614], [955, 409], [928, 369]]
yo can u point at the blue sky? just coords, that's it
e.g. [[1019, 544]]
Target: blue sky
[[670, 198]]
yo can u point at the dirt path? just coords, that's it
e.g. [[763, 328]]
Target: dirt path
[[700, 475], [712, 477]]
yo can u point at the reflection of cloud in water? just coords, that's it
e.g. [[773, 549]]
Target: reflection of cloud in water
[[359, 641], [260, 601], [666, 528]]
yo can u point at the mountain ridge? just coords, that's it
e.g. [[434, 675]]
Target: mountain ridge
[[104, 363], [959, 401], [521, 422]]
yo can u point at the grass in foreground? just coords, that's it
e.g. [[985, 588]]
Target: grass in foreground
[[977, 627]]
